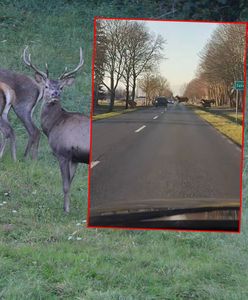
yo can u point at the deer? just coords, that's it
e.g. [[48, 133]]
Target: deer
[[27, 95], [182, 99], [7, 98], [67, 132]]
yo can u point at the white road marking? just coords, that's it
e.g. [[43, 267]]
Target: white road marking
[[162, 112], [94, 163], [154, 118], [139, 129]]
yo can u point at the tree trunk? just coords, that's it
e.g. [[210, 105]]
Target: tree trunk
[[112, 93], [134, 88], [127, 92], [96, 95], [112, 100]]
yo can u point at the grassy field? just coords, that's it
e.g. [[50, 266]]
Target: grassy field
[[45, 254], [221, 122]]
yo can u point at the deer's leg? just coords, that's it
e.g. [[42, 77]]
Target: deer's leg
[[8, 130], [3, 144], [72, 169], [33, 132], [7, 133], [13, 144], [65, 174]]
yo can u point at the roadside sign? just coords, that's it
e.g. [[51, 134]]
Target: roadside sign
[[239, 85]]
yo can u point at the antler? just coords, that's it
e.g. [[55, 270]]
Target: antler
[[70, 74], [47, 72], [27, 61]]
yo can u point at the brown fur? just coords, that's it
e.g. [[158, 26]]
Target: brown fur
[[27, 94], [7, 98]]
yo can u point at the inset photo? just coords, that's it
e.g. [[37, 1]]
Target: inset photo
[[167, 127]]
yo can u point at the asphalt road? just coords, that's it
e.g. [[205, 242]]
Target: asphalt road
[[159, 156]]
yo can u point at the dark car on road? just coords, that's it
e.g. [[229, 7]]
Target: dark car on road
[[161, 101]]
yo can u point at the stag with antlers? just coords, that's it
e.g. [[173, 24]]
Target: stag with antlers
[[67, 132]]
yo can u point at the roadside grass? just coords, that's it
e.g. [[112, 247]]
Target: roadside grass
[[113, 114], [45, 254], [233, 115], [228, 113], [229, 128]]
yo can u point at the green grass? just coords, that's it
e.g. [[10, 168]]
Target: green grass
[[113, 114], [233, 115], [45, 254], [108, 264], [229, 128]]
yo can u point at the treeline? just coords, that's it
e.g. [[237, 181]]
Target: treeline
[[125, 50], [154, 85], [221, 64]]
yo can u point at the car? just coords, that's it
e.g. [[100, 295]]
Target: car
[[161, 101]]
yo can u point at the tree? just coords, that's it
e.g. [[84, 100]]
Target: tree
[[222, 61], [113, 65], [154, 85], [99, 61], [196, 89], [145, 52], [142, 52]]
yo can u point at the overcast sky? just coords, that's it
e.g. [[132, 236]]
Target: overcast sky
[[184, 41]]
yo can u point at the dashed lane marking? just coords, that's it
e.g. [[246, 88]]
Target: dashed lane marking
[[94, 163], [141, 128]]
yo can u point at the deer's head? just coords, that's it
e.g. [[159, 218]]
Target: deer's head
[[52, 88]]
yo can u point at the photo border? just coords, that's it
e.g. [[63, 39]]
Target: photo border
[[243, 125]]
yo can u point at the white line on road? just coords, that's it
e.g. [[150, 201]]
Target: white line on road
[[162, 112], [94, 163], [139, 129], [154, 118]]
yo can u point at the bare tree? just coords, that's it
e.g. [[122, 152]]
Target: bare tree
[[145, 52], [154, 85], [113, 65], [196, 89], [142, 53], [100, 57], [127, 50], [222, 61]]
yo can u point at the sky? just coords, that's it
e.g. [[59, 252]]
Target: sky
[[184, 41]]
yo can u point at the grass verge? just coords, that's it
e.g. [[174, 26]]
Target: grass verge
[[229, 128], [113, 114]]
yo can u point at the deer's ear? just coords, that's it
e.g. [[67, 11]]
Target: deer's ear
[[67, 81], [38, 78]]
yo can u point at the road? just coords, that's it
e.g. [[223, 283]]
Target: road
[[154, 155]]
